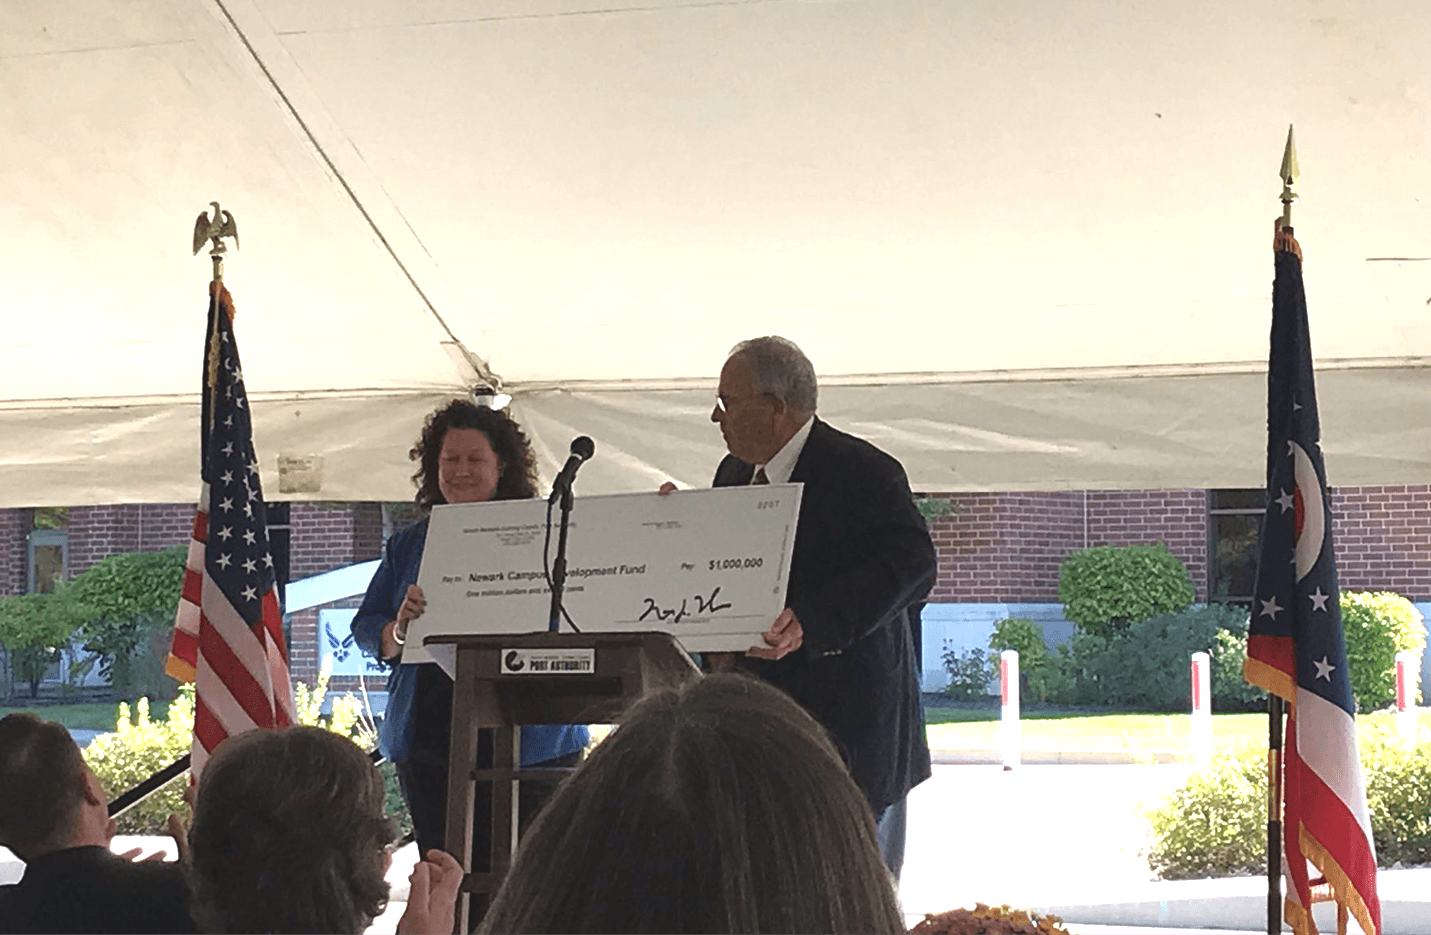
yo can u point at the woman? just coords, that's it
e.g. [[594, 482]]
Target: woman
[[466, 454], [289, 835], [718, 807]]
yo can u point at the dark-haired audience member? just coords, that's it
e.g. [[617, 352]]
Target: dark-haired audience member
[[718, 807], [289, 835], [466, 454], [55, 817]]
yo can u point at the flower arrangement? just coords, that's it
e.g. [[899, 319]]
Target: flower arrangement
[[988, 920]]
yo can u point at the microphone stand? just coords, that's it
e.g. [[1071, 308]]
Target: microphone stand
[[559, 565]]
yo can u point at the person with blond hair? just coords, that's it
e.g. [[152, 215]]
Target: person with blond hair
[[718, 807]]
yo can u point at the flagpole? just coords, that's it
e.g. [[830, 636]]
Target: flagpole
[[1275, 710], [1276, 705], [215, 229]]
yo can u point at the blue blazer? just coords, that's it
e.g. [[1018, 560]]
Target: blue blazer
[[862, 565], [402, 557]]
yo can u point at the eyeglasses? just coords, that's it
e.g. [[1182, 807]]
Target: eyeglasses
[[725, 405]]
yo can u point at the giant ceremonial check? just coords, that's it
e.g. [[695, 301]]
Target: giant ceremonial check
[[708, 566]]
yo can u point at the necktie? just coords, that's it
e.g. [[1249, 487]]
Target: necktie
[[759, 477]]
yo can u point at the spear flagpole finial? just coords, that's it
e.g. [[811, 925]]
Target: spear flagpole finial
[[1288, 174]]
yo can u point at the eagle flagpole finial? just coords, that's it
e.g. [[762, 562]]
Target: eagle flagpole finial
[[215, 228]]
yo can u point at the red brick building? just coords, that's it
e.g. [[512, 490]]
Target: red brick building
[[1007, 547], [999, 552]]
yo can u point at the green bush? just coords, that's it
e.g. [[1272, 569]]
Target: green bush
[[1106, 588], [968, 673], [1377, 627], [1230, 690], [1216, 824], [1076, 671], [395, 804], [1146, 666], [1026, 638], [1398, 794], [1150, 665], [141, 746]]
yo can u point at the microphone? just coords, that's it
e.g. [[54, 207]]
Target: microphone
[[581, 449]]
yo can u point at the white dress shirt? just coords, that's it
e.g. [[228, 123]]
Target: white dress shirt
[[779, 468]]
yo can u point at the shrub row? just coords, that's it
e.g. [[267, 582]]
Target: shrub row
[[141, 746], [1142, 593], [1144, 665], [1216, 823]]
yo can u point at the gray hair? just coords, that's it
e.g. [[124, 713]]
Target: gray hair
[[780, 368]]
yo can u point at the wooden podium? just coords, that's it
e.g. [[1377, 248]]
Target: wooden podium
[[626, 666]]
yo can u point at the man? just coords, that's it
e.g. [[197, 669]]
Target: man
[[843, 646], [55, 817]]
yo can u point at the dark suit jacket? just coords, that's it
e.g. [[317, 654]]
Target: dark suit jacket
[[88, 889], [862, 566]]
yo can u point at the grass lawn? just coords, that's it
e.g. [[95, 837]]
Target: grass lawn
[[95, 715], [960, 729], [1132, 732]]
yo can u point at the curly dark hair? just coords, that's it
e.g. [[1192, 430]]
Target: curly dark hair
[[288, 835], [509, 443]]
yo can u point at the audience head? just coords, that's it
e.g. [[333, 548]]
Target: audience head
[[516, 467], [767, 392], [289, 835], [718, 807], [51, 799]]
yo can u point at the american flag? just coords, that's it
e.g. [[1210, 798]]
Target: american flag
[[1295, 646], [228, 632]]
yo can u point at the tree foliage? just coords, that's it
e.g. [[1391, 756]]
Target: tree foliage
[[133, 596], [132, 584], [37, 628]]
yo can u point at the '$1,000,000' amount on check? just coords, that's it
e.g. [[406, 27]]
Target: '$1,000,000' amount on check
[[725, 564]]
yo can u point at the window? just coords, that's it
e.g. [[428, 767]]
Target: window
[[49, 551], [1233, 518]]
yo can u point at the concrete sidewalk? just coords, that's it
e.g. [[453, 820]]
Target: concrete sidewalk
[[985, 757], [1068, 840], [1240, 903]]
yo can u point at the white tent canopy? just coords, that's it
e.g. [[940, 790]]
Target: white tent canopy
[[1026, 245]]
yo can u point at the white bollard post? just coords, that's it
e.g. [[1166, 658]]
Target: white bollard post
[[1010, 734], [1201, 709], [1406, 695]]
